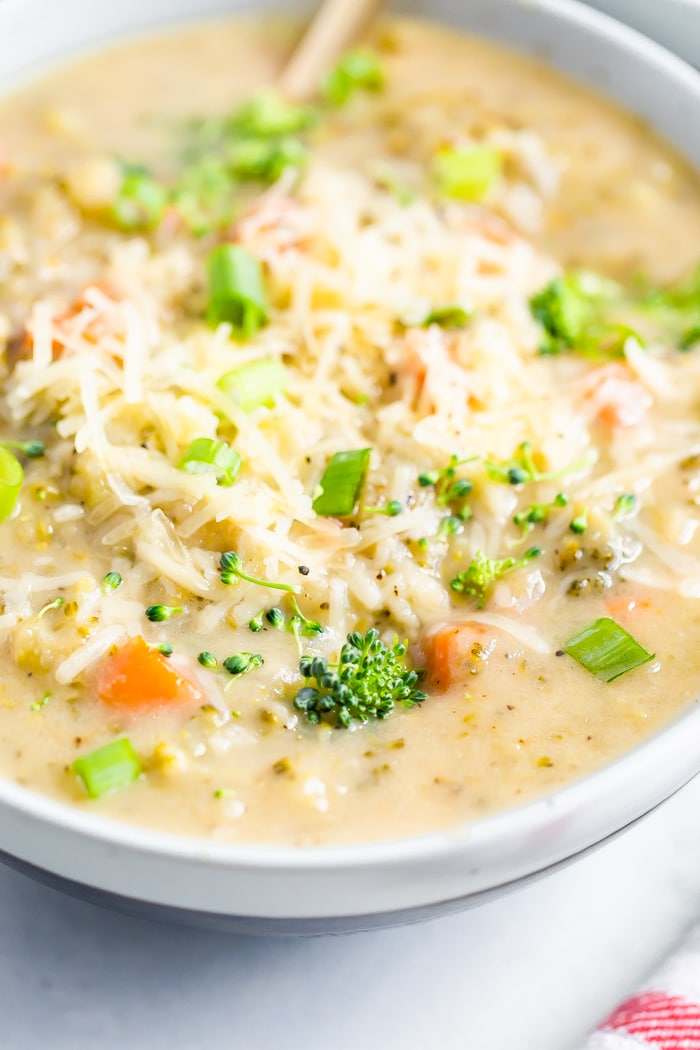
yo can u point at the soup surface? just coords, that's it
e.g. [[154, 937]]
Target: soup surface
[[420, 361]]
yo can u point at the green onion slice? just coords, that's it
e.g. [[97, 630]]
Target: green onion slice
[[11, 477], [209, 456], [236, 290], [607, 650], [468, 173], [341, 484], [109, 768], [255, 384]]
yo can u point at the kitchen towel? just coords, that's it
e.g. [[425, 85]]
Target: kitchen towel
[[664, 1014]]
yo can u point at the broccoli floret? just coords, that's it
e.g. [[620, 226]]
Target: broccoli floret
[[677, 309], [368, 681], [576, 312], [585, 313], [562, 311], [268, 115], [483, 572]]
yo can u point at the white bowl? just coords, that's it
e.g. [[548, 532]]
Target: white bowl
[[674, 23], [310, 890]]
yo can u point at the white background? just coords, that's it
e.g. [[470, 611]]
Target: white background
[[532, 971]]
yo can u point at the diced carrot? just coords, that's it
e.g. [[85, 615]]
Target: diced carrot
[[616, 396], [455, 651], [139, 679], [622, 608]]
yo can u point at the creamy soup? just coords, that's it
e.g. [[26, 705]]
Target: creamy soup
[[350, 458]]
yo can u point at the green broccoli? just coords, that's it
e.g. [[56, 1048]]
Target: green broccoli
[[677, 309], [583, 312], [368, 681], [483, 572], [577, 312], [562, 311]]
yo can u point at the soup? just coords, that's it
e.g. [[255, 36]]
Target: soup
[[350, 459]]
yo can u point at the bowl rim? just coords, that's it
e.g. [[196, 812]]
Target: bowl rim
[[608, 786]]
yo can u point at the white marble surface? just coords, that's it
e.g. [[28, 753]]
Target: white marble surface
[[532, 971]]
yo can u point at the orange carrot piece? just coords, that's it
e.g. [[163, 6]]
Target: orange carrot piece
[[138, 678], [621, 609], [452, 651]]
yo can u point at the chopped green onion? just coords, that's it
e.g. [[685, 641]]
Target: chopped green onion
[[208, 660], [111, 581], [209, 456], [109, 768], [607, 650], [270, 115], [31, 449], [447, 317], [231, 567], [236, 290], [55, 604], [140, 203], [256, 384], [165, 649], [159, 613], [467, 173], [358, 69], [625, 506], [240, 663], [11, 477], [256, 624], [341, 484]]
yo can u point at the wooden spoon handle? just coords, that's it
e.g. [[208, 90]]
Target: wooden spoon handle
[[336, 26]]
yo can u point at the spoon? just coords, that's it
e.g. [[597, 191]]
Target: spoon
[[334, 28]]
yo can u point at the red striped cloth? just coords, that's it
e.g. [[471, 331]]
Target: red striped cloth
[[665, 1013]]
